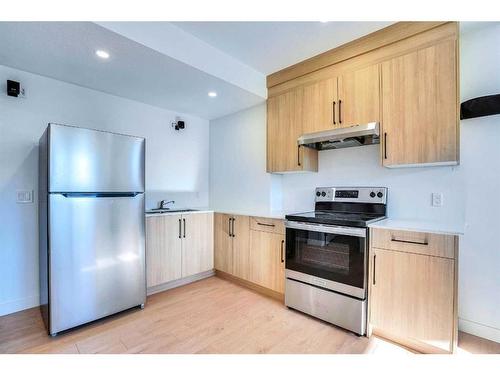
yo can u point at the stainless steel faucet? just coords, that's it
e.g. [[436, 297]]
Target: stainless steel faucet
[[163, 204]]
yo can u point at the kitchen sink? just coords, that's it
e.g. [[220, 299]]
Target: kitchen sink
[[164, 211]]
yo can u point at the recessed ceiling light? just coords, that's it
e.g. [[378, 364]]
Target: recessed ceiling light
[[212, 94], [102, 54]]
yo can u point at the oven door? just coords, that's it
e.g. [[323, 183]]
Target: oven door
[[331, 257]]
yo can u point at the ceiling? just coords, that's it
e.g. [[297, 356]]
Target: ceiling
[[271, 46], [66, 51], [172, 65]]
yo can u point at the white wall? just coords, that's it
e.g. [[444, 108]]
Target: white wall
[[479, 266], [176, 163], [238, 162], [470, 189]]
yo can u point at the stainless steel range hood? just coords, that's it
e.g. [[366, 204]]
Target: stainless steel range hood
[[357, 135]]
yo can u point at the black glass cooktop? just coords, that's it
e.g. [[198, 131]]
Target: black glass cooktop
[[336, 218]]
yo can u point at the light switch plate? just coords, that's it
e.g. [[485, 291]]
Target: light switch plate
[[437, 199], [24, 196]]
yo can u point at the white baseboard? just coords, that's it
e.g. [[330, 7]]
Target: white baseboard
[[477, 329], [16, 305], [180, 282]]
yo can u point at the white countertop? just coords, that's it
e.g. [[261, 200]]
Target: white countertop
[[258, 213], [245, 212], [418, 226], [175, 212]]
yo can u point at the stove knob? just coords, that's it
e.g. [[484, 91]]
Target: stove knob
[[318, 193], [372, 194], [323, 194], [380, 194]]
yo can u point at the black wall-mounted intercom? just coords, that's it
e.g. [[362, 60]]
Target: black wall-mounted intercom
[[178, 125], [13, 88]]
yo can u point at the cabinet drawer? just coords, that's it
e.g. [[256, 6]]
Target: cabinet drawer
[[440, 245], [265, 224]]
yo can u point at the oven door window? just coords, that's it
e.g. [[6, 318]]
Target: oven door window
[[336, 257]]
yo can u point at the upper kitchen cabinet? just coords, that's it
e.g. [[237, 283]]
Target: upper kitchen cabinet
[[359, 97], [403, 77], [419, 107], [341, 101], [284, 127], [319, 101]]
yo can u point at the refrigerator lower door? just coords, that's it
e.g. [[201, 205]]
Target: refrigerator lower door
[[96, 257]]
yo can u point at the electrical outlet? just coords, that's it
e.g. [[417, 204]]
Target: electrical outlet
[[437, 199], [24, 196], [22, 93]]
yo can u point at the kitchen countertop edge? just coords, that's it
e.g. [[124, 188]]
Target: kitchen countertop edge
[[270, 215], [417, 226], [195, 211]]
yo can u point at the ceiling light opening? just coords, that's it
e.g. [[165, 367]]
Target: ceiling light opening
[[212, 94], [102, 54]]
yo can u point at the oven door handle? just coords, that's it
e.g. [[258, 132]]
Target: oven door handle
[[322, 228]]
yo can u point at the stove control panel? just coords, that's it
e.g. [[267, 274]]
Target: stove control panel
[[352, 194]]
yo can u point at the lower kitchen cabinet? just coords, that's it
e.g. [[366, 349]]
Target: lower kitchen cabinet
[[267, 260], [178, 246], [223, 243], [251, 250], [163, 249], [197, 243], [241, 249], [231, 244], [413, 294]]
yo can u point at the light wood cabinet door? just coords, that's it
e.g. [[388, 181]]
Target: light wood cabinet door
[[163, 249], [359, 97], [320, 106], [267, 267], [412, 297], [223, 243], [241, 246], [197, 243], [284, 127], [420, 107]]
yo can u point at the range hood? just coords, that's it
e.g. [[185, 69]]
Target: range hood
[[357, 135]]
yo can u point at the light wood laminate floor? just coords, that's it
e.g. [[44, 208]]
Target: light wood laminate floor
[[209, 316]]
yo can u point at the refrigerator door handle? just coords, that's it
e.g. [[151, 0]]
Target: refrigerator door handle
[[99, 195]]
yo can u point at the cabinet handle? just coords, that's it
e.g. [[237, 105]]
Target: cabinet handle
[[425, 243], [374, 264], [298, 155], [229, 227], [266, 225], [234, 235], [180, 229], [385, 145], [340, 111], [184, 221], [333, 112], [282, 252]]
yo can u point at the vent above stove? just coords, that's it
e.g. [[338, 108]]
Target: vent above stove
[[358, 135]]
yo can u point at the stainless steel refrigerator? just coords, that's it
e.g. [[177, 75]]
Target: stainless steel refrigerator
[[91, 218]]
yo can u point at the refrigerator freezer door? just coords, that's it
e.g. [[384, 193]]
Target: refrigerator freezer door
[[96, 257], [84, 160]]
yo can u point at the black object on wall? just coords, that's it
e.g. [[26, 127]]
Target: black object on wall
[[481, 106], [13, 88], [178, 125]]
